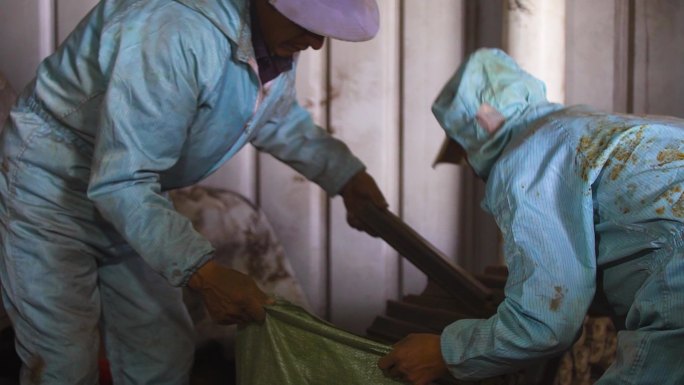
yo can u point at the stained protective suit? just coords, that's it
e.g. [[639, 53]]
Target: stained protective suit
[[143, 97], [587, 202]]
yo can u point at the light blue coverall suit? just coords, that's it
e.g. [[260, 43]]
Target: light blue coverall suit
[[581, 197], [144, 96]]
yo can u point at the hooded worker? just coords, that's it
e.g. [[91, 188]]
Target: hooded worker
[[144, 97], [584, 200]]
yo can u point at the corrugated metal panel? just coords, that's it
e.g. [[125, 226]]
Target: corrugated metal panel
[[297, 208], [433, 46], [534, 35], [27, 30], [591, 53], [69, 13], [478, 236], [238, 175], [365, 114], [659, 57]]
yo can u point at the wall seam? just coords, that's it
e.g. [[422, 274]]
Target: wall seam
[[402, 131], [631, 52], [327, 203]]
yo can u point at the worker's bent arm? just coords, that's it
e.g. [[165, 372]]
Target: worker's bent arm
[[545, 212], [148, 106], [309, 149]]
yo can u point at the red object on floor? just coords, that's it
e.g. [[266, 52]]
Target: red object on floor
[[105, 373]]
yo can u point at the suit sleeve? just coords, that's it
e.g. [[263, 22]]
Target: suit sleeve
[[545, 214], [146, 112], [309, 149]]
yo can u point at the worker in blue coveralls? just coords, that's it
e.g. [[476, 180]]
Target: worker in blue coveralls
[[588, 203], [144, 97]]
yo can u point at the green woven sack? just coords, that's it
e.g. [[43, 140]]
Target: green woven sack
[[293, 347]]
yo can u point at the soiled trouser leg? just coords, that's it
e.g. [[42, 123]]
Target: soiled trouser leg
[[54, 306], [51, 292], [148, 333], [49, 282], [650, 350], [53, 246], [48, 267]]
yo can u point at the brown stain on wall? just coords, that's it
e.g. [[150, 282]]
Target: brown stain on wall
[[256, 247], [519, 5], [259, 246], [279, 273]]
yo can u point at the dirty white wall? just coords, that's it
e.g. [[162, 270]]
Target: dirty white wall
[[534, 35], [624, 55], [658, 62]]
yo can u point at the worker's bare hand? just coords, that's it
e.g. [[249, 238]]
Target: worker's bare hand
[[358, 192], [417, 360], [230, 296]]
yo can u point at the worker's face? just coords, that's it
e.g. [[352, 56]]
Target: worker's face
[[282, 36]]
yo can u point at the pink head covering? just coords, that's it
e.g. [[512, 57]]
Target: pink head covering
[[350, 20]]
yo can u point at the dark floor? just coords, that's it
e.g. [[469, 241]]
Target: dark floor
[[210, 368], [9, 362]]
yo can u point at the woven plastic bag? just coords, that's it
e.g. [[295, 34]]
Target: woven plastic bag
[[293, 347]]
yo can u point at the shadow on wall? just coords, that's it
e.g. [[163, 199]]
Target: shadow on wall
[[7, 97]]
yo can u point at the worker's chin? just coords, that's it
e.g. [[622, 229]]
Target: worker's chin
[[287, 50], [284, 52]]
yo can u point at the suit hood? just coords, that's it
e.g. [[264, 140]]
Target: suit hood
[[489, 77]]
